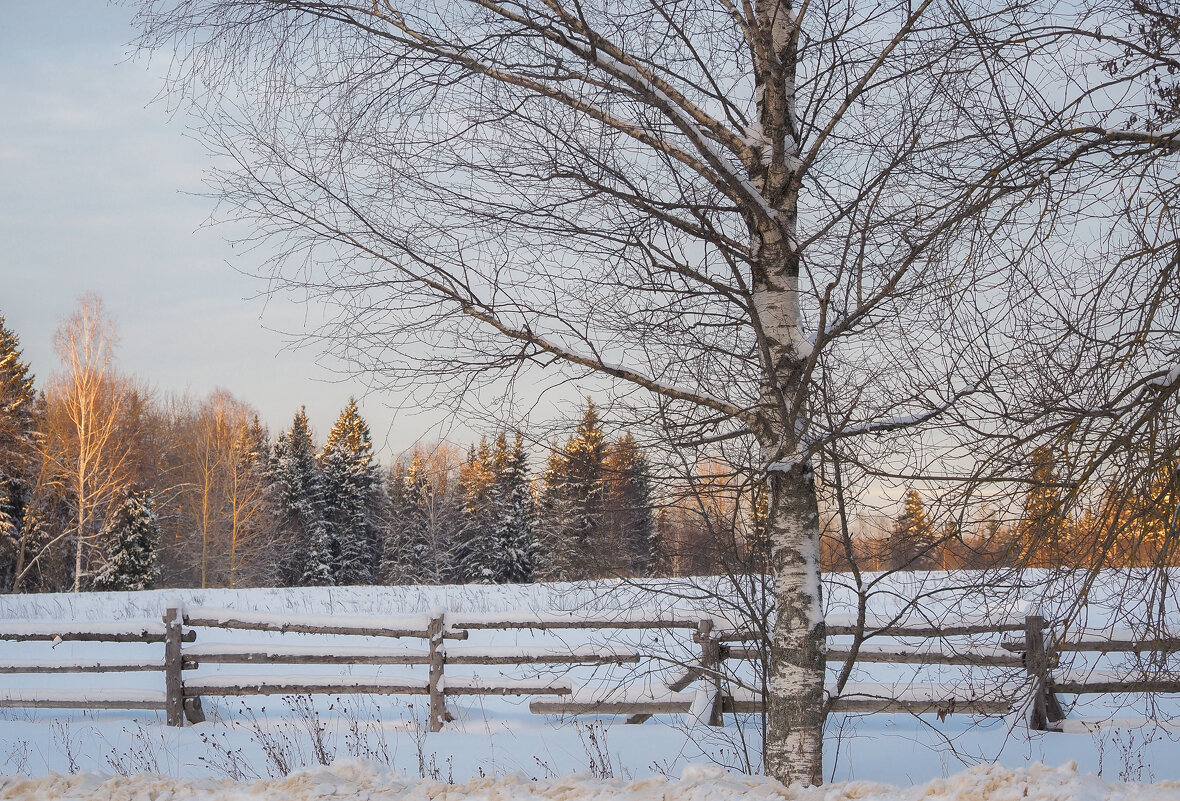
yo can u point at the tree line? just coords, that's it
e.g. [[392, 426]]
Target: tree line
[[1132, 524], [104, 487]]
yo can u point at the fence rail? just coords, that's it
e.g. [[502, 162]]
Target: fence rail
[[1036, 655]]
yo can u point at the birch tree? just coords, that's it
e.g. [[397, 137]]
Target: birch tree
[[218, 507], [811, 227], [206, 439], [252, 534], [89, 441]]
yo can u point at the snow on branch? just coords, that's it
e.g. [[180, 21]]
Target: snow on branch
[[1160, 138], [1164, 379], [901, 421]]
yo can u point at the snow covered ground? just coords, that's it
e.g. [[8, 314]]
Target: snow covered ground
[[696, 783], [373, 743]]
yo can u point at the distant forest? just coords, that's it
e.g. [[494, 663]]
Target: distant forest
[[104, 486]]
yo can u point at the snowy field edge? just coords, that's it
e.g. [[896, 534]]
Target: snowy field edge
[[1124, 737], [361, 780]]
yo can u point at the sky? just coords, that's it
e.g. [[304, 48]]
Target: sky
[[98, 191]]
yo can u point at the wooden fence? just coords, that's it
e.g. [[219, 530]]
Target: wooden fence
[[720, 653], [716, 696], [1044, 659]]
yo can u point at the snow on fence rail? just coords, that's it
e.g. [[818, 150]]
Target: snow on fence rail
[[1112, 641], [713, 700], [128, 631], [98, 631], [1035, 656]]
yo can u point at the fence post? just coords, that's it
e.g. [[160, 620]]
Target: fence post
[[711, 668], [438, 705], [1046, 708], [173, 682]]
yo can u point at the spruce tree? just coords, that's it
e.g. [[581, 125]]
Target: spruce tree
[[911, 543], [628, 506], [133, 534], [1161, 525], [1043, 531], [350, 484], [418, 547], [479, 548], [17, 432], [512, 500], [498, 514], [313, 555], [585, 479], [557, 554], [427, 548], [1151, 535], [395, 558], [573, 531]]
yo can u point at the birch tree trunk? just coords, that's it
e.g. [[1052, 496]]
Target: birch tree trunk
[[793, 744], [795, 706], [86, 448]]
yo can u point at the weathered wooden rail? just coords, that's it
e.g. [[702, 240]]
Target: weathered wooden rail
[[1044, 659], [1035, 656], [714, 698], [181, 698], [132, 631], [434, 629]]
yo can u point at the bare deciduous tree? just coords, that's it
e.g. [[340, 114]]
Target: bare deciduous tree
[[818, 227], [90, 421], [219, 506], [251, 523]]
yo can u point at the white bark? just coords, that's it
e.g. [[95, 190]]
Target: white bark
[[794, 737]]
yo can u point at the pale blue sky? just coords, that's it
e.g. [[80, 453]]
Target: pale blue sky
[[93, 183]]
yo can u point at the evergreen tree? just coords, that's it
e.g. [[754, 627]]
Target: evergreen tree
[[350, 484], [1043, 531], [593, 515], [313, 556], [584, 479], [418, 540], [498, 514], [427, 548], [572, 528], [628, 505], [1161, 527], [512, 500], [395, 558], [1151, 535], [911, 543], [757, 554], [479, 553], [558, 556], [17, 432], [133, 532], [1087, 541]]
